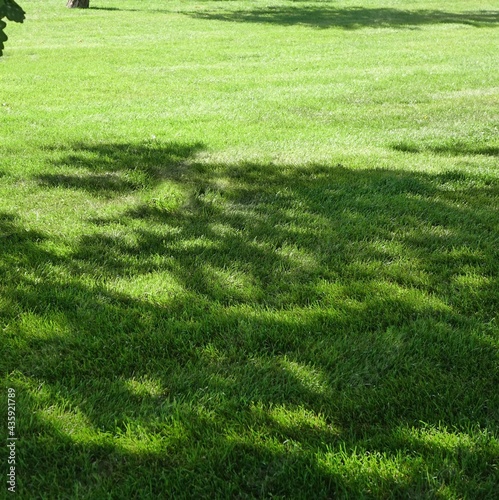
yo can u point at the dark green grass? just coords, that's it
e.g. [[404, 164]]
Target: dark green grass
[[220, 344], [331, 15], [275, 282]]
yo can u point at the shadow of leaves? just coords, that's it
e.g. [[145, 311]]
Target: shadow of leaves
[[268, 298], [350, 18]]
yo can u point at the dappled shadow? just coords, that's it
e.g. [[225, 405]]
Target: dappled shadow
[[239, 467], [110, 170], [350, 18], [453, 148], [102, 185], [337, 292]]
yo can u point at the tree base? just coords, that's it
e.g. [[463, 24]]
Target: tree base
[[78, 4]]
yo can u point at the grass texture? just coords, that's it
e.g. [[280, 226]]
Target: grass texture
[[251, 249]]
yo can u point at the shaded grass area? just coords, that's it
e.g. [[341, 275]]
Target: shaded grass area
[[320, 15], [450, 147], [256, 330]]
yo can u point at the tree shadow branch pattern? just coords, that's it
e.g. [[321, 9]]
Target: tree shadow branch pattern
[[351, 18], [225, 357]]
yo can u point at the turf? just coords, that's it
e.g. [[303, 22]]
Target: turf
[[251, 249]]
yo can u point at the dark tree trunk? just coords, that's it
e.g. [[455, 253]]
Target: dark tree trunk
[[78, 4]]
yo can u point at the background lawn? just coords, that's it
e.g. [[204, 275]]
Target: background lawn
[[251, 249]]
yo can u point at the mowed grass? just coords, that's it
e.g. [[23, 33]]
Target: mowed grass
[[251, 249]]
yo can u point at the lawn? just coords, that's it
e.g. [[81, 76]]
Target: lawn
[[250, 249]]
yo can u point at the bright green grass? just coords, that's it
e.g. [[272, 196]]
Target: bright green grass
[[251, 249]]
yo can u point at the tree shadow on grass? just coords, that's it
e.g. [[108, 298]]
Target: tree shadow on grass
[[112, 9], [145, 10], [351, 18], [454, 148], [270, 320], [111, 170]]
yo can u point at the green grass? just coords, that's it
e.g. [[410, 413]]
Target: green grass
[[251, 249]]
